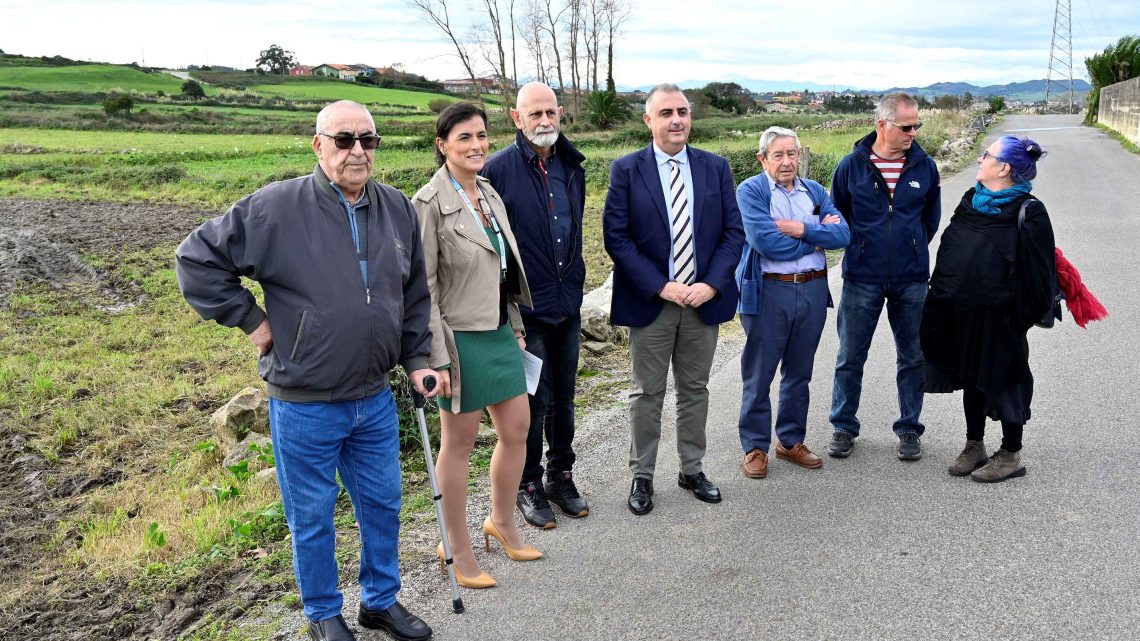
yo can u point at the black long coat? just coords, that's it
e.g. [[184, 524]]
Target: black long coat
[[991, 283]]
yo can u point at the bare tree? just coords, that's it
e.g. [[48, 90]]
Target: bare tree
[[497, 54], [616, 13], [573, 31], [592, 30], [435, 12], [514, 44], [554, 10], [534, 39]]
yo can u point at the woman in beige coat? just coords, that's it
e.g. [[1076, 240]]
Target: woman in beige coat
[[477, 283]]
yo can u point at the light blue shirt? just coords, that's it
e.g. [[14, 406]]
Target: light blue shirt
[[666, 172], [792, 205]]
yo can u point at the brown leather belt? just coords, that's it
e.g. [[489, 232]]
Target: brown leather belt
[[801, 277]]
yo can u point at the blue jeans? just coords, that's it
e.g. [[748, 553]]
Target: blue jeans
[[360, 439], [784, 334], [552, 406], [859, 309]]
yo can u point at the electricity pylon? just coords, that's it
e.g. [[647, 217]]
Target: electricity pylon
[[1061, 54]]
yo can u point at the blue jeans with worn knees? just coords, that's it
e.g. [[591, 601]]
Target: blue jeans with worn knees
[[784, 334], [859, 308], [552, 406], [360, 439]]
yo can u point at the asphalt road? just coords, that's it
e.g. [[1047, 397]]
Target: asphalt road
[[870, 547]]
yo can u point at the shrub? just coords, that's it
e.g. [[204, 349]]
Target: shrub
[[117, 104], [439, 104], [193, 90], [604, 109]]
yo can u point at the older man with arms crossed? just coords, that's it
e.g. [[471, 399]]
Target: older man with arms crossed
[[339, 259], [672, 227], [888, 190], [788, 222], [543, 185]]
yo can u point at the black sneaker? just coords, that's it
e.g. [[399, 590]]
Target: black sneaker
[[910, 449], [841, 444], [535, 508], [560, 490]]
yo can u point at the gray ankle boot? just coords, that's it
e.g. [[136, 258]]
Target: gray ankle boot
[[1003, 465], [971, 458]]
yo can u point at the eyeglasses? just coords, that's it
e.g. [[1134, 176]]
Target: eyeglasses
[[987, 154], [906, 129], [368, 142]]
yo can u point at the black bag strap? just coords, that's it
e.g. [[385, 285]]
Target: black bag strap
[[1021, 212]]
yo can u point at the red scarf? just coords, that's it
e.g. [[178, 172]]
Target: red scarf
[[1081, 303]]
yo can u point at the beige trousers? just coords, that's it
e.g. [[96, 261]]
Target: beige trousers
[[680, 337]]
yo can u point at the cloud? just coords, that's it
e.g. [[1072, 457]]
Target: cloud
[[870, 44]]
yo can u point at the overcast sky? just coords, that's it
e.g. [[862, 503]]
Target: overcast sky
[[849, 43]]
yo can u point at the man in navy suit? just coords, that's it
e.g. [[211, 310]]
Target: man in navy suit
[[673, 230]]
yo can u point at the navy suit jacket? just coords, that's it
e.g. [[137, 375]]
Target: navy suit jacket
[[638, 236]]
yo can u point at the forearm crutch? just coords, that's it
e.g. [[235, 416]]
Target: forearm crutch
[[418, 399]]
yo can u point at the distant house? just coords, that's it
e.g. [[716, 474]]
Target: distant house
[[777, 108], [344, 72], [464, 86], [301, 70]]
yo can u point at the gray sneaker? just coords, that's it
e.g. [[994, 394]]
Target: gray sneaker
[[910, 447], [1003, 465], [971, 458], [841, 444]]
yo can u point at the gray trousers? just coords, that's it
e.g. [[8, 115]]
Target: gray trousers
[[679, 336]]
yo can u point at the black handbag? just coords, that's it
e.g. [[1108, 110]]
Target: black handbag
[[1053, 314]]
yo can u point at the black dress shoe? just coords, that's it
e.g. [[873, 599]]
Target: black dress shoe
[[334, 629], [701, 486], [641, 496], [396, 621]]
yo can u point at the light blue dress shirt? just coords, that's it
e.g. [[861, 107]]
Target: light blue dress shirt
[[666, 173], [792, 205]]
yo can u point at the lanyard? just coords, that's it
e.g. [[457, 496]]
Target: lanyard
[[490, 216]]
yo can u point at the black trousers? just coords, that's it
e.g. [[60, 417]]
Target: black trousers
[[974, 404], [552, 406]]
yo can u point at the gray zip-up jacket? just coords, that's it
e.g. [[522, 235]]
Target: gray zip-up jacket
[[335, 337]]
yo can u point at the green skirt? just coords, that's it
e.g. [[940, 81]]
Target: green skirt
[[490, 366]]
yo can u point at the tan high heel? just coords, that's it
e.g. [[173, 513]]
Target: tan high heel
[[483, 580], [525, 553]]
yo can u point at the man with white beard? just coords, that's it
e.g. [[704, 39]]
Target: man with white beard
[[541, 180]]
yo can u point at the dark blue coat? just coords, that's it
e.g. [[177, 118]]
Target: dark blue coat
[[889, 236], [514, 173], [639, 240]]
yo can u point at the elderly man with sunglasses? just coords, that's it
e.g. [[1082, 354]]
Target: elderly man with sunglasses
[[339, 260], [888, 191]]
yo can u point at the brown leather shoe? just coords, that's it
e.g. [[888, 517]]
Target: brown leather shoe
[[756, 464], [800, 455]]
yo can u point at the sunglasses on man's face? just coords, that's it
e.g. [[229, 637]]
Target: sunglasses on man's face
[[906, 129], [368, 142]]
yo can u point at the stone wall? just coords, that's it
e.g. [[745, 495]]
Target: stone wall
[[1120, 108]]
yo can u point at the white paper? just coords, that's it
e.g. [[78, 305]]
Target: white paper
[[532, 365]]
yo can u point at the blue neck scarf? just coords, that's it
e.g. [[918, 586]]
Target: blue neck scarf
[[990, 202]]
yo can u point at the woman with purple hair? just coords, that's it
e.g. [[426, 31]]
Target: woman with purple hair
[[993, 279]]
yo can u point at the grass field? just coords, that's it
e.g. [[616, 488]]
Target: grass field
[[88, 78], [341, 90], [107, 78]]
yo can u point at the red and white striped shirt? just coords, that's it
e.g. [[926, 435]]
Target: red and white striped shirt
[[890, 168]]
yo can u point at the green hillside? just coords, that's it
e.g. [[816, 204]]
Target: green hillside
[[341, 90], [88, 78], [106, 78]]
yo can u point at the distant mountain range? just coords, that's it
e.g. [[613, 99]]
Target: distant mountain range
[[1027, 90]]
